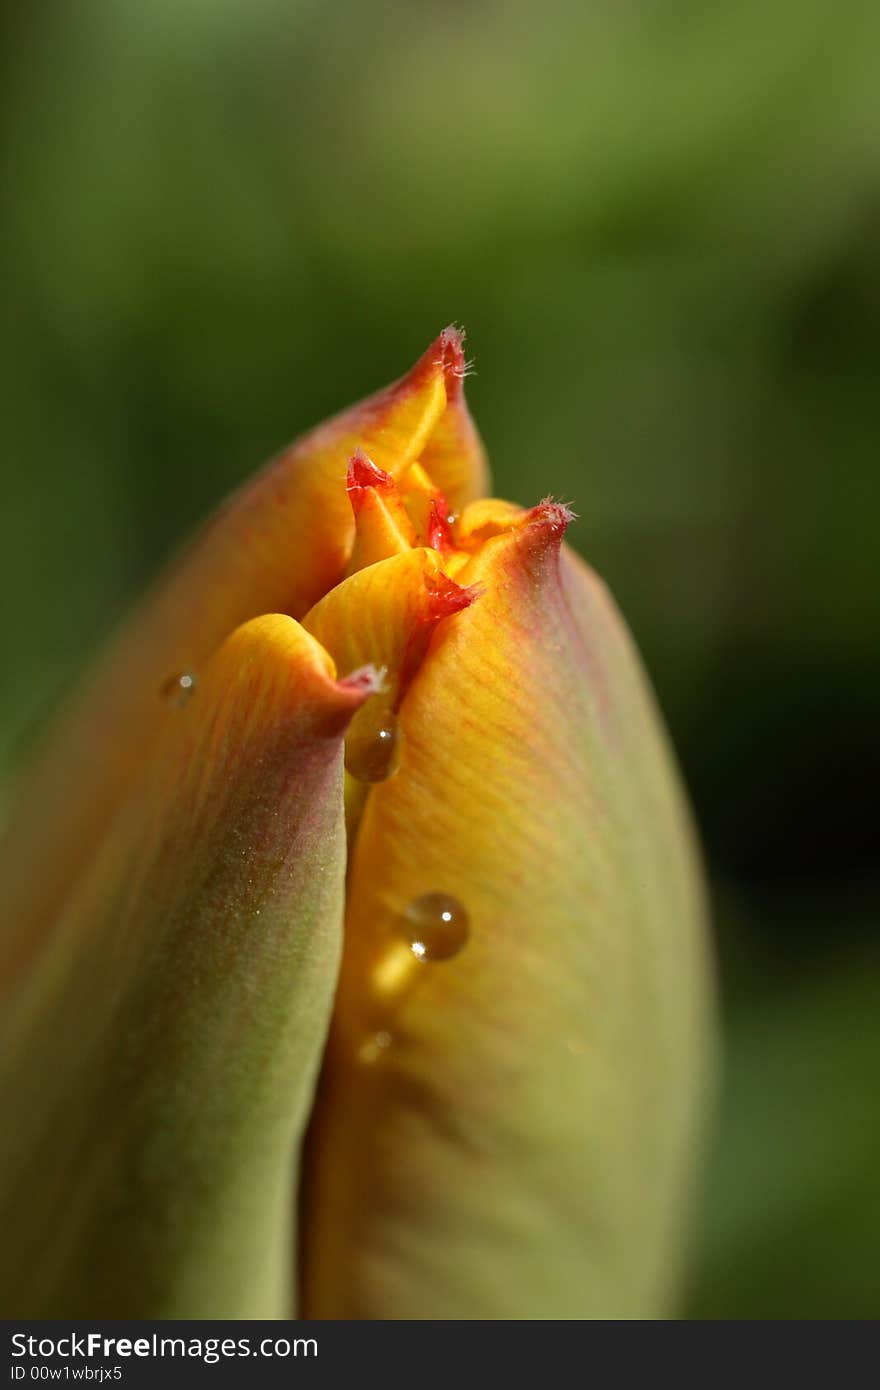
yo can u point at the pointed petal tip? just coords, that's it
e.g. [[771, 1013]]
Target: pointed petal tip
[[536, 527], [362, 474], [274, 658], [550, 511], [365, 681], [450, 356], [439, 530], [550, 517], [446, 355], [445, 597]]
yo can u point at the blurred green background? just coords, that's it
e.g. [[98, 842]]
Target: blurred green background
[[224, 219]]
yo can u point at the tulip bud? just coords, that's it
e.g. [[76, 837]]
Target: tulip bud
[[376, 717]]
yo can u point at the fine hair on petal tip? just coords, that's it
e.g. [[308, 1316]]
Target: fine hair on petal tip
[[452, 345], [558, 516], [557, 503]]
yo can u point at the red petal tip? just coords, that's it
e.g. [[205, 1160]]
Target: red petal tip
[[439, 530], [553, 517], [450, 356], [362, 475], [446, 353], [445, 597]]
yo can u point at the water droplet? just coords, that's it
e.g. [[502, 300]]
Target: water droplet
[[178, 688], [436, 926], [371, 1050], [374, 754]]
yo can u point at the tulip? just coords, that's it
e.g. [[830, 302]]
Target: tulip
[[354, 956]]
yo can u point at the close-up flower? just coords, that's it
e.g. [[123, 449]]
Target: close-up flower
[[355, 958]]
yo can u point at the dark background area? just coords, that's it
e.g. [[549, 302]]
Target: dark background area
[[225, 219]]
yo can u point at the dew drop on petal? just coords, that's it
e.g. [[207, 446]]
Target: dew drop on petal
[[436, 926], [374, 754], [371, 1050], [177, 689]]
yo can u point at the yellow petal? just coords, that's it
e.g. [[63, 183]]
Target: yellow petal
[[158, 1054], [510, 1132], [384, 615], [427, 507], [486, 518], [382, 524]]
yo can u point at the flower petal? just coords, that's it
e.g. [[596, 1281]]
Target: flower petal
[[510, 1132], [383, 615], [158, 1055], [454, 455], [382, 524], [276, 546]]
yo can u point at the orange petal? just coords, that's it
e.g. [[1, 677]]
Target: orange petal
[[384, 615], [510, 1132]]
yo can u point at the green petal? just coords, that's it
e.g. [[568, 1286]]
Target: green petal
[[159, 1050]]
